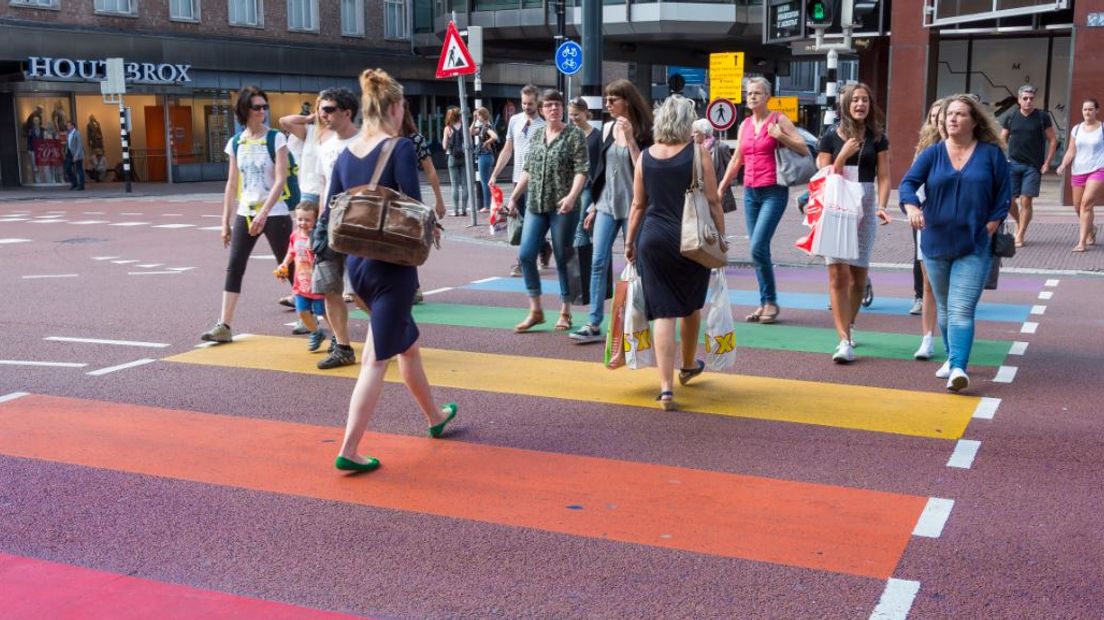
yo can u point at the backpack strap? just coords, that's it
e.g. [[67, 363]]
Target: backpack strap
[[270, 144]]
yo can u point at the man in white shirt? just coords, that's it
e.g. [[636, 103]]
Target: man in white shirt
[[337, 107], [518, 131]]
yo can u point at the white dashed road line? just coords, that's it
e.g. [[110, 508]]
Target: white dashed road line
[[51, 275], [126, 261], [485, 280], [7, 241], [1045, 295], [88, 222], [14, 395], [1052, 283], [935, 515], [896, 601], [964, 453], [121, 343], [437, 290], [154, 273], [175, 226], [46, 364], [1038, 309], [1018, 348], [130, 224], [1005, 374], [1029, 327], [104, 257], [111, 369], [986, 408]]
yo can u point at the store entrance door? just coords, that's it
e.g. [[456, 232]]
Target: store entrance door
[[180, 123]]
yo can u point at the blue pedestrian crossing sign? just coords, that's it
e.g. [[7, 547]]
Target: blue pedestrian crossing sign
[[569, 58]]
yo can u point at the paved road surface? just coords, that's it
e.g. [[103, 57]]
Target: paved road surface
[[146, 476]]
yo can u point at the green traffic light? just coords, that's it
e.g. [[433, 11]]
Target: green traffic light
[[818, 12]]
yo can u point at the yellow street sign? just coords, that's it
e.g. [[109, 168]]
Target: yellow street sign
[[785, 105], [726, 76]]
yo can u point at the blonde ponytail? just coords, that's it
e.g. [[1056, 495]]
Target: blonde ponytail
[[378, 93]]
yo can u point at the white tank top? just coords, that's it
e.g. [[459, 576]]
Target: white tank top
[[1090, 149]]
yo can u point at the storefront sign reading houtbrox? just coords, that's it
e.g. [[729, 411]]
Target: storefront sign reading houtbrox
[[42, 67]]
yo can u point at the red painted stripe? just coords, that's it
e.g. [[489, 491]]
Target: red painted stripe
[[845, 530], [36, 589]]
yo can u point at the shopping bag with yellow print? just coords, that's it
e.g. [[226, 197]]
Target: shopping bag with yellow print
[[637, 335], [720, 332]]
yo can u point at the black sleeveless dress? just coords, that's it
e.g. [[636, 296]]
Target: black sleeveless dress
[[674, 286]]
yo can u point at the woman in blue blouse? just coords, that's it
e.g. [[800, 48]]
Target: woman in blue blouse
[[968, 190], [386, 288]]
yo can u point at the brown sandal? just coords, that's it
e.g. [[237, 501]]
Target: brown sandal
[[769, 317], [564, 323], [534, 318], [754, 316]]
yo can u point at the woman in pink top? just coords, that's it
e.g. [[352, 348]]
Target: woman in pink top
[[764, 200]]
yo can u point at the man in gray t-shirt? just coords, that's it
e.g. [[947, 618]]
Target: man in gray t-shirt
[[1031, 143], [518, 131]]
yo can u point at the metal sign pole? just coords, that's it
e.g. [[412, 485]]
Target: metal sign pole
[[468, 173], [125, 133]]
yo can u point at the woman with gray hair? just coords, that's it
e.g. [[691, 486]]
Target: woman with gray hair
[[674, 286], [761, 134], [702, 132]]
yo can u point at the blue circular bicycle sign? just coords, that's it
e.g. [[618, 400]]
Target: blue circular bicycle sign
[[569, 58]]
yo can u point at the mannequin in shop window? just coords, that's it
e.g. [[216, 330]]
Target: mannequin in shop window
[[95, 134], [58, 118], [33, 130]]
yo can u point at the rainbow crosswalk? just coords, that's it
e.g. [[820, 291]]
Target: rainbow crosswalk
[[813, 526]]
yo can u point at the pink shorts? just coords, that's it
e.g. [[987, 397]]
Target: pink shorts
[[1079, 180]]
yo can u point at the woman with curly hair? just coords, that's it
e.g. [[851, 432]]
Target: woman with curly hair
[[968, 186]]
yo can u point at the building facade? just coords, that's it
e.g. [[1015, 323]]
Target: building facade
[[185, 61]]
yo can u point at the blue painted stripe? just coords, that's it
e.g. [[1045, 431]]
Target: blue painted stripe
[[1010, 313]]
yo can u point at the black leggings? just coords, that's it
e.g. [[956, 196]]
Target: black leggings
[[277, 230]]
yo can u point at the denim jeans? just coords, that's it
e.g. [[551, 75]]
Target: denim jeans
[[957, 284], [486, 166], [763, 209], [605, 233], [534, 229], [459, 188]]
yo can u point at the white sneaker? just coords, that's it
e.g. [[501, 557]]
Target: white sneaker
[[944, 371], [927, 348], [959, 380], [844, 353]]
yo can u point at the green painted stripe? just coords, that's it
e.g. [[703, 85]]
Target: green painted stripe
[[778, 337]]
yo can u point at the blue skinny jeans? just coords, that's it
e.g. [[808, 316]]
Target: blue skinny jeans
[[763, 209], [957, 284], [605, 233], [534, 229]]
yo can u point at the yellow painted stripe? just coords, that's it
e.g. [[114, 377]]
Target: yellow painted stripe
[[903, 412]]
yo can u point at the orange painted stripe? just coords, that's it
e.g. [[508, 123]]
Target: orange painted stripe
[[35, 589], [836, 529]]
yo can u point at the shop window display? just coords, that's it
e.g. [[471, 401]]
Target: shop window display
[[42, 139]]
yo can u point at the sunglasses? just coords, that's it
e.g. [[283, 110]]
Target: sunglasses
[[258, 108], [328, 109], [613, 99]]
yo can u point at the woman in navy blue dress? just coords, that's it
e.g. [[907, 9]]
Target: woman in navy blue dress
[[388, 289]]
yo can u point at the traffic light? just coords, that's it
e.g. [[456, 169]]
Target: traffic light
[[820, 12]]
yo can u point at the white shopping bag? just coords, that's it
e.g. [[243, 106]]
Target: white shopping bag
[[837, 233], [637, 335], [720, 332]]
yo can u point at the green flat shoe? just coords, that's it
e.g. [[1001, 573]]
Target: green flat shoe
[[345, 464], [437, 429]]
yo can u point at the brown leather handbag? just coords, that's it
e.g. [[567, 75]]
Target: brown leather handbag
[[382, 223]]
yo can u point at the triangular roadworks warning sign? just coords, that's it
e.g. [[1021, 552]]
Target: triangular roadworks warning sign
[[455, 58]]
